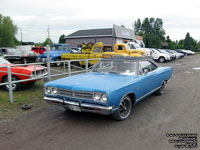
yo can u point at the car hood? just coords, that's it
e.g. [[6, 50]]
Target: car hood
[[92, 82]]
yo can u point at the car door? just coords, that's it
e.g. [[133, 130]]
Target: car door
[[147, 76]]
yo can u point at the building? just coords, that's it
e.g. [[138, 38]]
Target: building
[[117, 34]]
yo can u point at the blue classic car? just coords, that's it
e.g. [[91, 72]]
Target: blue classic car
[[113, 86]]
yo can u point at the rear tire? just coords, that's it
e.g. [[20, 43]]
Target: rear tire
[[160, 91], [124, 110]]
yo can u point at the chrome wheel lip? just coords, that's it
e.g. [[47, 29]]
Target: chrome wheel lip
[[125, 108]]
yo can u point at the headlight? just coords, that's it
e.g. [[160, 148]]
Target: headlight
[[97, 96], [100, 97], [104, 98], [54, 91], [51, 90], [48, 90]]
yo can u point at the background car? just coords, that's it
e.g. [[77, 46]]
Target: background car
[[159, 56], [113, 86], [12, 54], [39, 50], [20, 73]]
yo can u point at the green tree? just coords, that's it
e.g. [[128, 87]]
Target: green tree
[[187, 42], [47, 41], [152, 31], [62, 39], [7, 32]]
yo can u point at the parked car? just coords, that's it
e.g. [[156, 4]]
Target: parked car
[[178, 55], [20, 73], [188, 52], [159, 56], [113, 86], [12, 54], [39, 50], [75, 50], [55, 53], [172, 55]]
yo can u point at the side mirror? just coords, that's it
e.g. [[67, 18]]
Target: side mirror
[[145, 71]]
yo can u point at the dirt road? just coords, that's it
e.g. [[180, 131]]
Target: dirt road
[[176, 111]]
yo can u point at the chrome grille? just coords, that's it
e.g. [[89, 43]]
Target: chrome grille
[[75, 94]]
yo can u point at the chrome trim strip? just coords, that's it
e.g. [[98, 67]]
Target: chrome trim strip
[[147, 94], [53, 99], [96, 106]]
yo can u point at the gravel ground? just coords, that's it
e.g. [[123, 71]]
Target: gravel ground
[[176, 111]]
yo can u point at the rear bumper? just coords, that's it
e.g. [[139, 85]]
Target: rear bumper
[[77, 106]]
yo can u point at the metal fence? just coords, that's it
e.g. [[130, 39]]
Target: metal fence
[[67, 66]]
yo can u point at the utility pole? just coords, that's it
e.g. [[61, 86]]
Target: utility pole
[[48, 31], [21, 34]]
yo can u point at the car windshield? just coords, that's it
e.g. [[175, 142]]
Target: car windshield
[[3, 61], [116, 67], [56, 47]]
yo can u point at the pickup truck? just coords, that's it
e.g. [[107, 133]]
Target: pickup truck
[[96, 51], [100, 50], [55, 53]]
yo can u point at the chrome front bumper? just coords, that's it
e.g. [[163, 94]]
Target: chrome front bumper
[[81, 107]]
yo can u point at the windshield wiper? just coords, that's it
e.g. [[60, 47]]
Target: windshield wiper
[[113, 72]]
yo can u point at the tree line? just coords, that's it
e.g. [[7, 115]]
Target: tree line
[[154, 35]]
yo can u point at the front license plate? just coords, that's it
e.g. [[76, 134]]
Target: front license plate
[[74, 108]]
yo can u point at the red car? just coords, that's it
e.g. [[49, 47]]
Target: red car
[[39, 50], [20, 73]]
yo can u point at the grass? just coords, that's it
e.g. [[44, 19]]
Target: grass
[[32, 95], [198, 53]]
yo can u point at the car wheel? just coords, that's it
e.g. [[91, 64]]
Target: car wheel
[[58, 63], [15, 86], [124, 110], [160, 91], [161, 59]]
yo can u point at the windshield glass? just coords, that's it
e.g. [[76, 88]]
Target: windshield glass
[[116, 67], [56, 47], [3, 61]]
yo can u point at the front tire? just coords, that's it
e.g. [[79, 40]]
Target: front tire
[[15, 86], [124, 110], [161, 60]]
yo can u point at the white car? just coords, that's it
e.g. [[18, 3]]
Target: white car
[[159, 56], [178, 55]]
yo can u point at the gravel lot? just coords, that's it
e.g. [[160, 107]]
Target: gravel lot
[[176, 111]]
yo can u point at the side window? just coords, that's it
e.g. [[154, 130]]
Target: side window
[[97, 49], [146, 65], [119, 47], [65, 48], [107, 49]]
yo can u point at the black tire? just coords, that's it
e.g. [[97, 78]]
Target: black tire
[[15, 86], [124, 110], [160, 91], [59, 63], [26, 106], [161, 59]]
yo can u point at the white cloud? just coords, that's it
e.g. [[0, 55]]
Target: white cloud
[[65, 17]]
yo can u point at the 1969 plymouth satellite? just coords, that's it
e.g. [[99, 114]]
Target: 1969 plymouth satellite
[[113, 86]]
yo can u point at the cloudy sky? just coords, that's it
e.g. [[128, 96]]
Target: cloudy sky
[[67, 16]]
